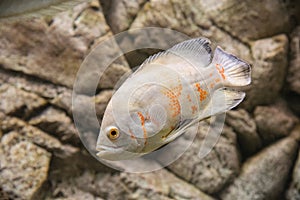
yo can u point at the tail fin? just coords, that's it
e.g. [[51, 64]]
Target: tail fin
[[233, 70]]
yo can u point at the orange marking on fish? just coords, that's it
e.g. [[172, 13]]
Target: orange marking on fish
[[203, 93], [132, 135], [221, 70], [212, 85], [194, 109], [217, 80], [210, 74], [142, 118], [174, 101], [189, 98]]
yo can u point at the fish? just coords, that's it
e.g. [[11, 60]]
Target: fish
[[16, 9], [168, 93]]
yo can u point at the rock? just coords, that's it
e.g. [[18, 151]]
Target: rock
[[188, 18], [23, 106], [53, 93], [63, 100], [160, 185], [89, 183], [293, 75], [293, 192], [153, 185], [20, 131], [211, 173], [63, 154], [101, 101], [68, 189], [66, 41], [120, 14], [268, 71], [57, 123], [292, 99], [274, 121], [244, 125], [112, 75], [88, 111], [24, 168], [249, 20], [264, 175], [295, 133]]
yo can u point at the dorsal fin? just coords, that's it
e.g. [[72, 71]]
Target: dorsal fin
[[196, 51]]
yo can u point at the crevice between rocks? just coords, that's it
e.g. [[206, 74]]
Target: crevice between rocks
[[232, 36]]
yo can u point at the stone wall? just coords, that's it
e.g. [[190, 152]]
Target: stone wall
[[256, 157]]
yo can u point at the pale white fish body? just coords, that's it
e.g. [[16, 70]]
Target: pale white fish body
[[168, 93], [13, 9]]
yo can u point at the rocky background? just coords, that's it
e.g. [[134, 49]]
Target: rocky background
[[257, 156]]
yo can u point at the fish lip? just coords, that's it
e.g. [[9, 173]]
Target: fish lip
[[102, 148]]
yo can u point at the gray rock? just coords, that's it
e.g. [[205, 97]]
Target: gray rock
[[68, 189], [22, 106], [211, 173], [248, 20], [20, 131], [160, 185], [153, 185], [293, 75], [293, 192], [244, 125], [65, 42], [101, 101], [268, 71], [24, 168], [274, 121], [29, 84], [63, 154], [187, 17], [264, 175], [120, 14], [57, 123], [112, 75], [88, 111]]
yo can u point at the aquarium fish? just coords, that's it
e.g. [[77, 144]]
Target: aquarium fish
[[11, 9], [168, 93]]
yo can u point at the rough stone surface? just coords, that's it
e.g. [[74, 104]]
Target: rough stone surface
[[293, 75], [294, 190], [156, 185], [212, 172], [39, 61], [244, 125], [24, 168], [56, 122], [188, 18], [237, 17], [17, 130], [66, 40], [120, 14], [274, 121], [17, 102], [269, 67], [264, 175]]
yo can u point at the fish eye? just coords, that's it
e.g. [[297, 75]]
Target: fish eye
[[113, 133]]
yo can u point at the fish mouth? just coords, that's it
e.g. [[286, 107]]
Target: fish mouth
[[107, 152], [101, 148]]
